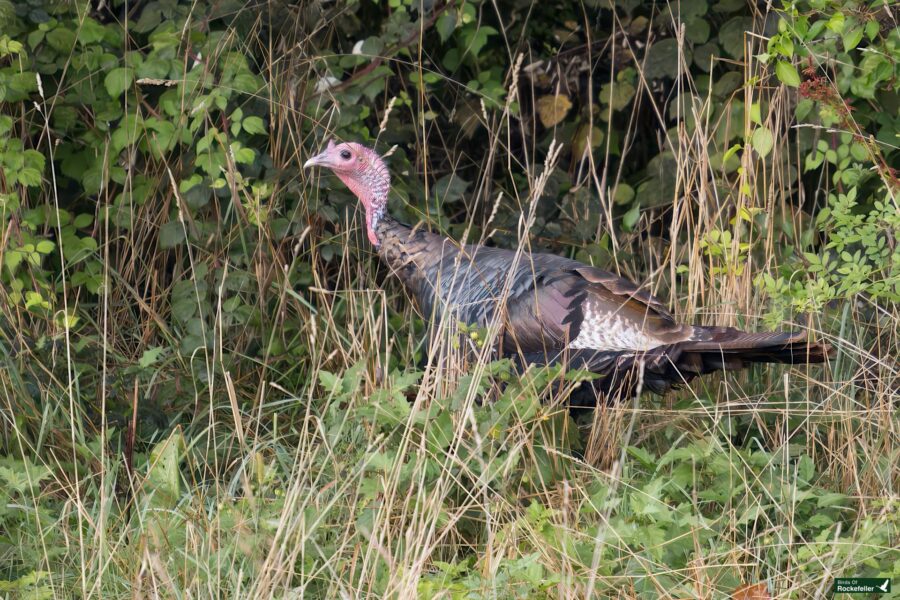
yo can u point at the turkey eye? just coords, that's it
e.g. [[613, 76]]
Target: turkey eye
[[345, 154]]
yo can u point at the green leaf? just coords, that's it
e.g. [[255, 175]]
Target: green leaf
[[852, 36], [149, 18], [162, 133], [762, 141], [163, 479], [872, 29], [631, 217], [787, 73], [150, 356], [183, 309], [697, 30], [731, 35], [90, 32], [476, 38], [44, 247], [644, 457], [6, 123], [820, 520], [35, 38], [248, 83], [446, 25], [243, 156], [29, 176], [755, 115], [330, 381], [34, 160], [61, 39], [439, 434], [12, 259], [803, 109], [171, 234], [617, 95], [190, 183], [254, 125], [859, 151], [118, 80], [235, 120], [806, 469], [662, 59], [624, 193], [731, 152], [831, 499]]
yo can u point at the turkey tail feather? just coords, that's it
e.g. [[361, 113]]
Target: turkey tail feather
[[728, 348]]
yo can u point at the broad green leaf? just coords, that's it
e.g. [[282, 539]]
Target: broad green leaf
[[618, 95], [243, 156], [150, 356], [662, 59], [12, 259], [755, 115], [644, 457], [118, 80], [164, 475], [762, 141], [872, 29], [831, 499], [803, 109], [6, 123], [330, 381], [476, 38], [61, 39], [859, 151], [624, 193], [90, 32], [248, 83], [184, 308], [787, 73], [235, 120], [188, 184], [731, 36], [44, 247], [34, 160], [171, 234], [439, 434], [697, 30], [254, 125], [446, 25], [852, 35], [631, 217], [29, 176]]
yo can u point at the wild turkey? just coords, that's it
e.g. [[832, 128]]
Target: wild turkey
[[551, 308]]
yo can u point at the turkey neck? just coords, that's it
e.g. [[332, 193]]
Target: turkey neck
[[414, 256]]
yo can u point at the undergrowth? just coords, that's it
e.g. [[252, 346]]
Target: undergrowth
[[210, 388]]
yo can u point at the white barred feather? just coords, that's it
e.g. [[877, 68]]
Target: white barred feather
[[604, 330]]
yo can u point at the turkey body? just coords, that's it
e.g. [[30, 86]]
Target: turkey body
[[555, 309]]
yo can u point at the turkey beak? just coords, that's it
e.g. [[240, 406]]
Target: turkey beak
[[319, 160], [323, 159]]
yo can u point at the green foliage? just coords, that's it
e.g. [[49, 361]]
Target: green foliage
[[687, 502], [124, 123], [204, 393], [856, 256]]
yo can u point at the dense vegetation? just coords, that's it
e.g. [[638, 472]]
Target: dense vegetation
[[210, 388]]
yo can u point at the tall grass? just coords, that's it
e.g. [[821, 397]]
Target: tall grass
[[276, 477]]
